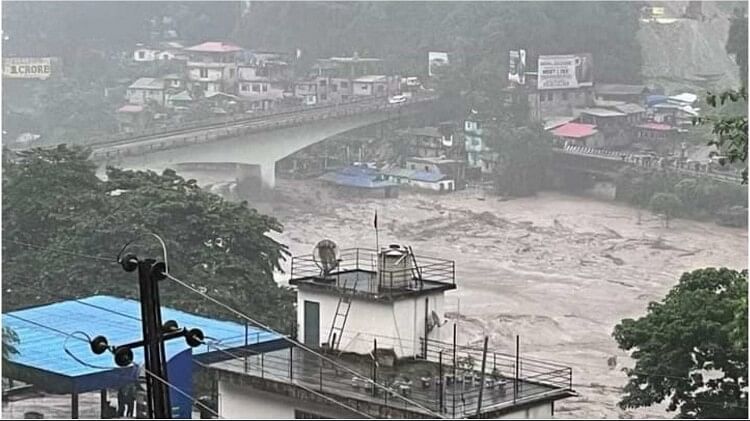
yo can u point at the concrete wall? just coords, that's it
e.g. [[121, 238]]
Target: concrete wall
[[395, 325], [214, 74], [541, 411], [236, 402], [143, 96]]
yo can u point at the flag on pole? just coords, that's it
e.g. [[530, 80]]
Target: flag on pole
[[376, 219]]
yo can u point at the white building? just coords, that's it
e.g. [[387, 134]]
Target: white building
[[212, 66], [255, 85], [376, 85], [146, 90], [144, 54], [363, 318]]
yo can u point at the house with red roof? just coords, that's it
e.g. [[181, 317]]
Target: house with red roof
[[579, 134], [212, 67]]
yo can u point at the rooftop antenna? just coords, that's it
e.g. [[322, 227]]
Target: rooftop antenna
[[326, 256]]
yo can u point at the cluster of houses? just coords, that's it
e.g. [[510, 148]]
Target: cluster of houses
[[225, 79]]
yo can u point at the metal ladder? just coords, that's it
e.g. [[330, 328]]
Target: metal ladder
[[341, 315]]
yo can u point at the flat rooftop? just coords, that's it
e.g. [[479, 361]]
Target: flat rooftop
[[415, 382], [359, 272]]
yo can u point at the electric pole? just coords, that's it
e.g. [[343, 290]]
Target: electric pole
[[150, 272]]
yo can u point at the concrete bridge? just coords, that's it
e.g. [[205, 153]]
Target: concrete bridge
[[608, 163], [260, 141]]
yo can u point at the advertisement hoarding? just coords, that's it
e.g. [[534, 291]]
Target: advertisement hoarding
[[517, 67], [27, 67], [436, 59], [565, 71]]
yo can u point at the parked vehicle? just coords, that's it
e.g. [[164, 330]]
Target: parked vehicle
[[397, 99]]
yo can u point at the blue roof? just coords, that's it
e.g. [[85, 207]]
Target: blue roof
[[43, 330], [355, 176]]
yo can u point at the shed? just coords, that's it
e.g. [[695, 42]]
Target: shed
[[54, 356]]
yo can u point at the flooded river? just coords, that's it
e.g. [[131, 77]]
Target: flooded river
[[558, 270]]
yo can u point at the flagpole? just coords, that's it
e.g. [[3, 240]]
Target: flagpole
[[377, 247]]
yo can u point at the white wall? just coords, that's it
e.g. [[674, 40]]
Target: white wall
[[143, 96], [236, 402], [541, 411], [148, 54], [213, 75], [359, 88], [395, 325]]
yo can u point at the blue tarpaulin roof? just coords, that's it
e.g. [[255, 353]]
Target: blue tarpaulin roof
[[356, 176], [42, 333]]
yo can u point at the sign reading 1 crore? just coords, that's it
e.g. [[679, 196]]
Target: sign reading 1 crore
[[27, 67]]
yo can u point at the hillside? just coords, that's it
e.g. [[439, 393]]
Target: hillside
[[681, 53]]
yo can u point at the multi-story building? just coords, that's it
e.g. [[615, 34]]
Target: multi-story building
[[479, 154], [212, 67], [256, 85], [146, 90], [375, 342]]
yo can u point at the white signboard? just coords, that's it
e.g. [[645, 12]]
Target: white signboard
[[565, 71], [436, 59], [517, 67], [27, 67]]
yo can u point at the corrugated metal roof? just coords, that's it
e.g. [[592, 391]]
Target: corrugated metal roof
[[630, 108], [147, 83], [371, 79], [601, 112], [575, 130], [214, 47], [42, 333], [619, 89]]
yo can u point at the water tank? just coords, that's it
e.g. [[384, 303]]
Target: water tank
[[395, 266]]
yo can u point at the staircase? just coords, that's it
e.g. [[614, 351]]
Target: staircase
[[341, 315]]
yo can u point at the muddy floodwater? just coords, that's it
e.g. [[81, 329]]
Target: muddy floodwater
[[558, 270]]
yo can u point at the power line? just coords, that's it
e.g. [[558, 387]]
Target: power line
[[60, 251], [300, 345]]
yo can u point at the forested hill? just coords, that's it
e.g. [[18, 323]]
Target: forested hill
[[478, 33]]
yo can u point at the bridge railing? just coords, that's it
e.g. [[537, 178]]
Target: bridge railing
[[166, 129], [237, 128]]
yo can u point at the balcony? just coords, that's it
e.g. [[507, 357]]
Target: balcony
[[360, 272]]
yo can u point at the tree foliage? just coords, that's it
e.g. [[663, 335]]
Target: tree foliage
[[691, 348], [10, 340], [55, 209], [667, 204], [701, 198], [523, 154]]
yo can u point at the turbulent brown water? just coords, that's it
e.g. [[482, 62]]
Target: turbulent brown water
[[560, 271]]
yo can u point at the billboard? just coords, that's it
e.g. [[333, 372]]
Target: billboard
[[565, 71], [436, 59], [517, 67], [27, 67]]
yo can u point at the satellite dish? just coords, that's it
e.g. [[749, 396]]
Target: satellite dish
[[326, 256]]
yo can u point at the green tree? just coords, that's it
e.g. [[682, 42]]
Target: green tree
[[10, 340], [691, 348], [523, 154], [54, 201], [667, 204]]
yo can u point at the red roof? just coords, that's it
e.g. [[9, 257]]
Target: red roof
[[214, 47], [656, 126], [575, 130]]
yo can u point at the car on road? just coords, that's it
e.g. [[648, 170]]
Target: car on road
[[397, 99]]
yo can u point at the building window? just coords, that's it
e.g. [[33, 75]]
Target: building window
[[204, 73], [256, 87], [141, 54], [323, 82], [231, 73], [426, 168], [344, 85], [323, 97], [549, 96], [565, 96], [244, 87], [264, 87], [334, 88], [304, 415]]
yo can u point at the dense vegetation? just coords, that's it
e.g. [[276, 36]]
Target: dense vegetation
[[699, 198], [691, 348], [56, 212]]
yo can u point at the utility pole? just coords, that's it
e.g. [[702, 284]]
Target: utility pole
[[150, 272]]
